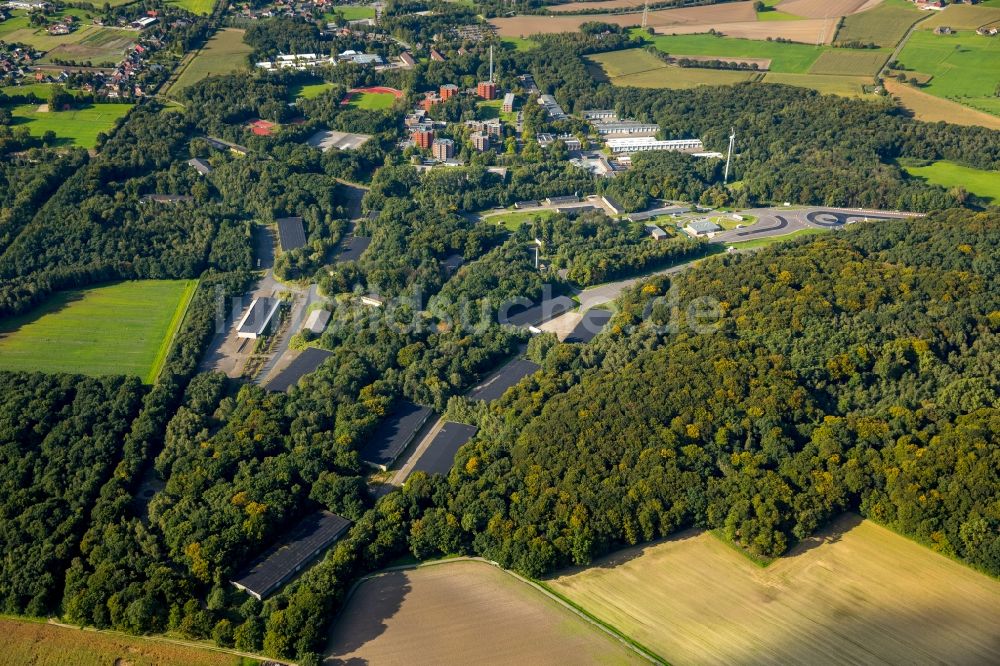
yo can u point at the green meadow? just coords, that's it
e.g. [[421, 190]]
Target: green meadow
[[964, 67], [785, 57], [76, 127], [121, 328], [372, 101], [982, 183]]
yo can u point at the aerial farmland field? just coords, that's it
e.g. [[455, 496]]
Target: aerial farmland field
[[794, 58], [965, 66], [49, 645], [932, 109], [122, 328], [850, 62], [884, 24], [195, 6], [845, 86], [464, 612], [224, 53], [857, 593]]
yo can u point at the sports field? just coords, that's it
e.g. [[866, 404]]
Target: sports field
[[76, 127], [885, 24], [308, 90], [982, 183], [352, 12], [371, 101], [965, 67], [224, 53], [793, 58], [464, 612], [856, 593], [122, 328], [42, 644], [203, 7]]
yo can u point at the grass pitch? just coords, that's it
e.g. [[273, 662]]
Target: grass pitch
[[122, 328], [982, 183], [884, 24], [308, 90], [76, 127], [857, 592], [43, 644], [965, 67], [370, 101], [224, 53]]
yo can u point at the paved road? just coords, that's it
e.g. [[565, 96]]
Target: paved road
[[783, 221], [281, 356]]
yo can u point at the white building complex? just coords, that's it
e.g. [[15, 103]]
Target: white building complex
[[644, 143]]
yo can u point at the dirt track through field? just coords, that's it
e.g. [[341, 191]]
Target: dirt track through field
[[730, 12], [464, 613], [807, 31], [857, 593]]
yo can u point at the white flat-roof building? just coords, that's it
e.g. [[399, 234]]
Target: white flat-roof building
[[316, 321], [257, 317], [640, 144]]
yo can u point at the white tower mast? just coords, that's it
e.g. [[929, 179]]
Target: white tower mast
[[729, 156]]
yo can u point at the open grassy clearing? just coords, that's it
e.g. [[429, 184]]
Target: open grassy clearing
[[42, 644], [308, 90], [123, 328], [682, 77], [520, 43], [463, 612], [845, 86], [352, 12], [982, 183], [203, 7], [224, 53], [850, 62], [855, 593], [39, 90], [884, 24], [370, 101], [794, 58], [102, 41], [626, 61], [965, 67], [76, 127], [931, 108]]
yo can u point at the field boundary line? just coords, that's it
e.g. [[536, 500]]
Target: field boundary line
[[176, 323], [163, 639], [608, 629]]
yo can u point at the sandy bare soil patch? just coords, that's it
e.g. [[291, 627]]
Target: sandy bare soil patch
[[730, 12], [562, 325], [857, 593], [821, 8], [464, 613], [807, 31], [932, 109]]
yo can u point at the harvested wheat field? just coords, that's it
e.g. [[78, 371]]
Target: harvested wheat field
[[49, 645], [807, 31], [517, 26], [464, 612], [963, 17], [821, 8], [858, 593], [932, 109], [608, 5]]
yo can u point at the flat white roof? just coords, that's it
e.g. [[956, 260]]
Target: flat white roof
[[317, 320], [257, 316]]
